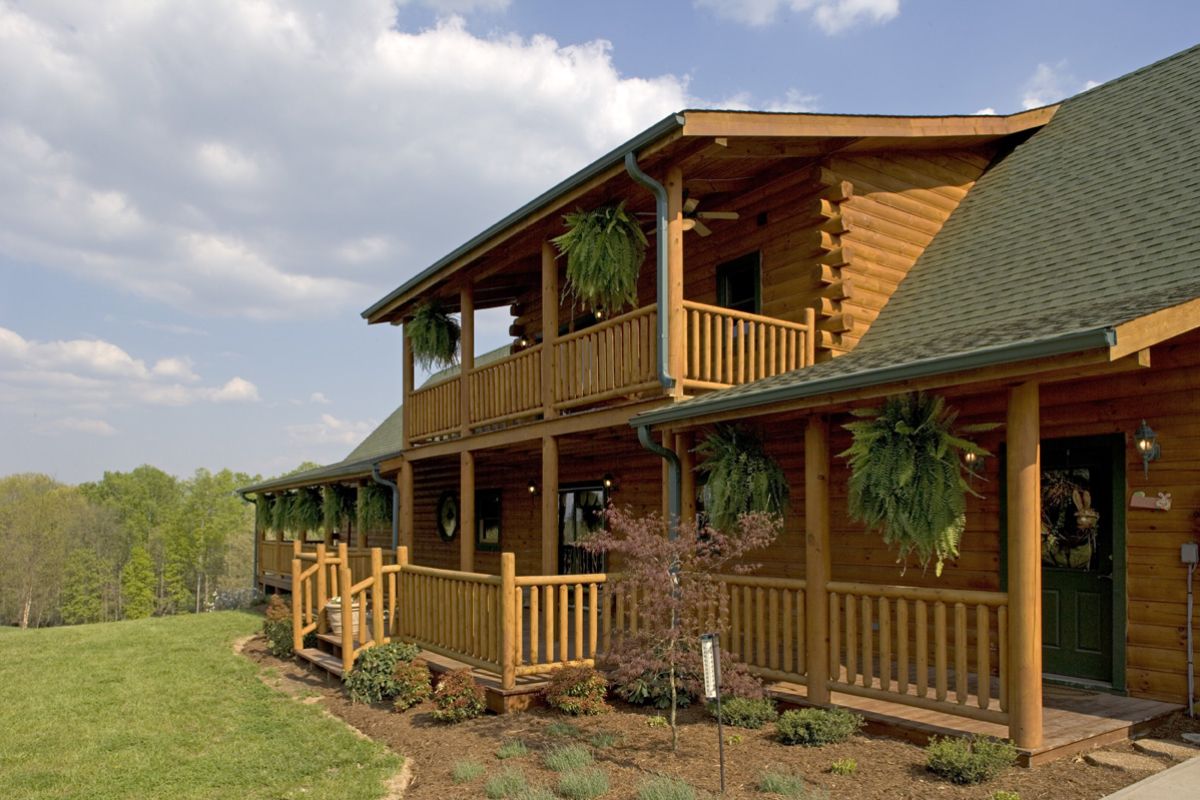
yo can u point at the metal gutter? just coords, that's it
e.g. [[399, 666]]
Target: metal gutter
[[320, 475], [729, 400], [661, 250], [674, 478], [608, 160], [378, 478]]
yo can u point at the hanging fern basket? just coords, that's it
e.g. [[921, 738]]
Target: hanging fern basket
[[741, 477], [374, 507], [604, 248], [338, 506], [906, 476], [262, 513], [434, 336]]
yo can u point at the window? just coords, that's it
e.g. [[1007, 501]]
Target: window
[[739, 284], [487, 520]]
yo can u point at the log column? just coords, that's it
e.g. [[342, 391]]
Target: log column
[[684, 442], [1024, 514], [406, 505], [676, 329], [549, 326], [816, 557], [466, 512], [549, 505], [409, 385], [466, 305]]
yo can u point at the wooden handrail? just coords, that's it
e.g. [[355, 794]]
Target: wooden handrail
[[507, 389], [746, 316], [725, 347], [970, 596]]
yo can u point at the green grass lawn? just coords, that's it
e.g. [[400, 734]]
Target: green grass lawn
[[162, 708]]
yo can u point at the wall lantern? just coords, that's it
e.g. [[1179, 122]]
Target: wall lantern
[[523, 342], [974, 463], [610, 483], [1146, 442], [532, 487]]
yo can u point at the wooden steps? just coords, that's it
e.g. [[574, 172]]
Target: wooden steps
[[326, 661]]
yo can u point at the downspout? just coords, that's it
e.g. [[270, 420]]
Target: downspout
[[378, 478], [674, 478], [660, 204], [253, 502]]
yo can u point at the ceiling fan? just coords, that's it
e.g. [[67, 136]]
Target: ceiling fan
[[693, 219]]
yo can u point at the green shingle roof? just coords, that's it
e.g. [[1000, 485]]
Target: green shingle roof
[[381, 443], [1091, 222]]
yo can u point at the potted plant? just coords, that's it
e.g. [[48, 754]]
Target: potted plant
[[741, 477], [605, 248], [333, 616], [434, 336]]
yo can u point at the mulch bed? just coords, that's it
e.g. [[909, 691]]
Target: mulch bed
[[887, 768]]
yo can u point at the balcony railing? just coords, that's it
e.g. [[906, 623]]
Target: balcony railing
[[508, 389], [727, 348], [434, 410], [612, 359]]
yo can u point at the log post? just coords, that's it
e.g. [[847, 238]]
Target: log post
[[508, 620], [409, 385], [466, 306], [322, 590], [676, 328], [466, 512], [377, 595], [1024, 566], [402, 599], [549, 326], [684, 442], [297, 603], [816, 557], [406, 504], [549, 505], [346, 579]]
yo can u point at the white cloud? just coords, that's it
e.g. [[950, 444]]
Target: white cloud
[[93, 427], [1051, 83], [274, 159], [985, 112], [92, 374], [318, 398], [331, 430], [831, 16]]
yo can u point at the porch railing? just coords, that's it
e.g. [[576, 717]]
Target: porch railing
[[938, 649], [507, 389], [727, 347], [611, 359], [434, 410]]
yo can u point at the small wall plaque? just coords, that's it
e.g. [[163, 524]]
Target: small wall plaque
[[1160, 503]]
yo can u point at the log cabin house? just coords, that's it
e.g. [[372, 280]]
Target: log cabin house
[[1040, 270]]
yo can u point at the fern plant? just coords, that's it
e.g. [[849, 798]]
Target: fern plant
[[338, 506], [906, 476], [262, 513], [374, 507], [306, 514], [742, 477], [605, 248], [434, 335], [281, 512]]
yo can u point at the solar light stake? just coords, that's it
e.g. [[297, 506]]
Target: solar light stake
[[710, 657]]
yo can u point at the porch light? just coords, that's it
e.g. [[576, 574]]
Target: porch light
[[532, 487], [598, 314], [609, 481], [523, 342], [1146, 441], [974, 462]]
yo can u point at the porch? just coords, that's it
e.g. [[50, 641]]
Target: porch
[[914, 661]]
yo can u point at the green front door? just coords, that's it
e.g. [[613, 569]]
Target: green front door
[[1080, 515]]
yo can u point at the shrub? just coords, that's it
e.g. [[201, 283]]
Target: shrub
[[465, 771], [664, 788], [969, 759], [567, 757], [734, 738], [844, 766], [583, 785], [742, 712], [657, 721], [603, 741], [513, 748], [508, 784], [652, 688], [535, 793], [412, 684], [1001, 794], [373, 677], [457, 697], [577, 690], [562, 729], [277, 627], [783, 783], [814, 727]]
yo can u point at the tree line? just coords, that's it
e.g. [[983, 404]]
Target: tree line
[[133, 544]]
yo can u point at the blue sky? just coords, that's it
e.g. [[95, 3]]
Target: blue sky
[[198, 198]]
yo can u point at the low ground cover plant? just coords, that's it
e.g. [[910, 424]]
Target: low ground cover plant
[[373, 677], [1001, 794], [968, 759], [510, 783], [277, 627], [583, 785], [577, 690], [466, 771], [661, 787], [784, 784], [604, 740], [567, 757], [844, 766], [412, 684], [813, 727], [513, 748], [745, 712], [562, 729], [458, 698]]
